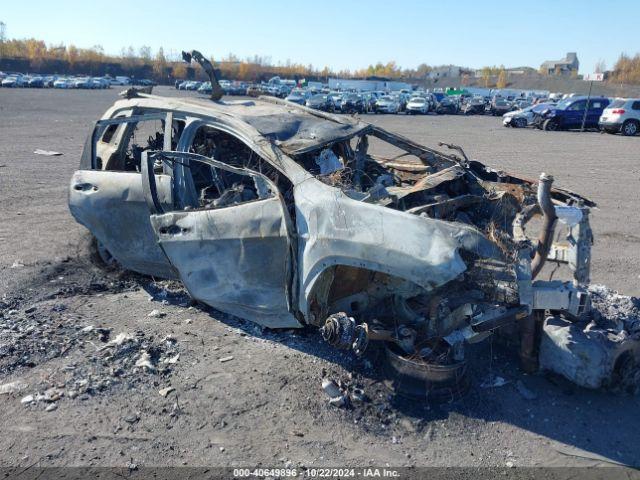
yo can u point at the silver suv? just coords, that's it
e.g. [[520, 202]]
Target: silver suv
[[623, 115]]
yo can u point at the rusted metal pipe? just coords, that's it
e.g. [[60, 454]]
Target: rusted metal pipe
[[548, 224], [529, 340]]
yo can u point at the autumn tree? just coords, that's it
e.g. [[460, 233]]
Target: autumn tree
[[502, 79], [486, 76], [627, 69], [160, 64], [72, 55], [179, 70]]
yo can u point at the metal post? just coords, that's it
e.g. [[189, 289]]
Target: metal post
[[586, 107]]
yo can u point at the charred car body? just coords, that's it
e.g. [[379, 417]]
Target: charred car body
[[281, 215]]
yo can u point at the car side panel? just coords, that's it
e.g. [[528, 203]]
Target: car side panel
[[235, 258], [334, 229], [111, 205]]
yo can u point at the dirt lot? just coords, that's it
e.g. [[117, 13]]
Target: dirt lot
[[265, 405]]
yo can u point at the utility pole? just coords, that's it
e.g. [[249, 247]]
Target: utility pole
[[586, 107], [592, 77]]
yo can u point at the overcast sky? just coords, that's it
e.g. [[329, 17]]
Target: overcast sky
[[344, 34]]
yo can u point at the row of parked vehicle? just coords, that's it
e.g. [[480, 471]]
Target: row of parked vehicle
[[619, 115], [411, 103], [230, 88], [19, 80]]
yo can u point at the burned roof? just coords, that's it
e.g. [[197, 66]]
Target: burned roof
[[293, 128], [296, 131]]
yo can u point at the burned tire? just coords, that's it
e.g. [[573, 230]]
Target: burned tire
[[100, 255], [629, 128], [550, 125]]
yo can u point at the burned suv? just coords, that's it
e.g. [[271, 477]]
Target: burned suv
[[287, 216]]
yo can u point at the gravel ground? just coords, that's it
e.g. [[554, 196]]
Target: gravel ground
[[120, 370]]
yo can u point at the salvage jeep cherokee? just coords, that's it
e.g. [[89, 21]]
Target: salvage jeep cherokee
[[282, 215]]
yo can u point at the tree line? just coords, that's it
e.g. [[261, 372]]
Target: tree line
[[41, 57], [37, 56]]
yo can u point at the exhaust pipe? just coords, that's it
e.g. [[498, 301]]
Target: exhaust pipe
[[548, 224]]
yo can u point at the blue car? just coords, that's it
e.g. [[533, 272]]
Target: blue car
[[569, 114]]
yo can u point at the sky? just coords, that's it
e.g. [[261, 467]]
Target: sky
[[347, 34]]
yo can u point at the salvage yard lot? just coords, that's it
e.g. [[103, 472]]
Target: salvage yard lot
[[265, 405]]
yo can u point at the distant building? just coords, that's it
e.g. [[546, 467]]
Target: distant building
[[479, 73], [566, 66], [445, 71]]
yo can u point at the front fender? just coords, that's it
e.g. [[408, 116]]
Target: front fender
[[334, 229]]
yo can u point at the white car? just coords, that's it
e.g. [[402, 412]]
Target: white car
[[13, 81], [62, 83], [623, 115], [417, 105], [82, 82], [120, 80], [387, 104]]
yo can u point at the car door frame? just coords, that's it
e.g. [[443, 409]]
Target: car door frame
[[284, 316], [111, 203]]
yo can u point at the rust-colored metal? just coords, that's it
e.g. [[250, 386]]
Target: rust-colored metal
[[548, 224], [529, 341]]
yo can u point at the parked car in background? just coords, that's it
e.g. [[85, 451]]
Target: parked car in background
[[352, 103], [192, 85], [35, 82], [387, 104], [448, 105], [298, 96], [254, 91], [320, 101], [82, 82], [499, 106], [520, 103], [570, 113], [206, 88], [474, 106], [62, 82], [417, 105], [524, 117], [13, 81], [100, 83], [120, 80], [622, 115], [48, 80], [369, 101], [336, 100], [402, 99]]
